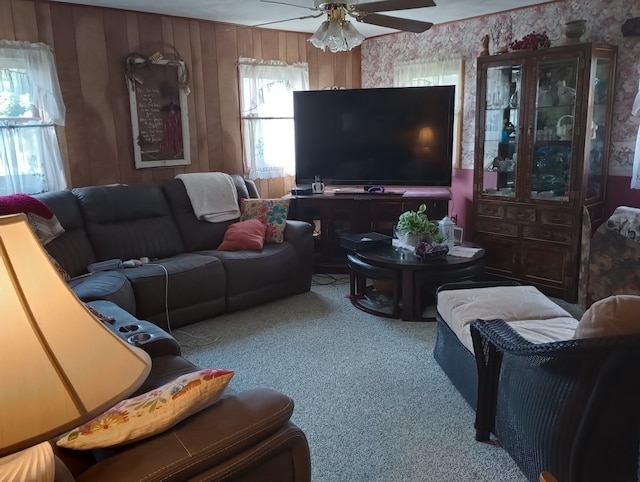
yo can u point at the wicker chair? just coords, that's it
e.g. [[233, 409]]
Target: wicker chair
[[571, 407]]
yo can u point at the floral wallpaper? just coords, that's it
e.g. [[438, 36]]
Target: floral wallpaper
[[463, 39]]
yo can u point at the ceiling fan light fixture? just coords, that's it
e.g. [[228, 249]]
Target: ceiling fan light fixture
[[337, 36], [334, 39], [317, 39], [352, 36]]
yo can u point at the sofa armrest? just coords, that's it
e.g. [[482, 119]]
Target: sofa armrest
[[206, 442], [559, 405], [300, 235]]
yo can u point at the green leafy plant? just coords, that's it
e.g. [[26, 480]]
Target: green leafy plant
[[417, 222]]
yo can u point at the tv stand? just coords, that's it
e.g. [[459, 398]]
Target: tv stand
[[348, 191], [353, 210]]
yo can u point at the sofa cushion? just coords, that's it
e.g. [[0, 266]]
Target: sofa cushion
[[196, 234], [72, 249], [247, 234], [255, 277], [272, 212], [150, 413], [129, 221], [528, 310], [182, 281], [611, 316]]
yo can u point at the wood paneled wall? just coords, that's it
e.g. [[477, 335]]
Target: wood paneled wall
[[90, 46]]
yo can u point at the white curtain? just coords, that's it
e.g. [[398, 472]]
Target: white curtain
[[425, 72], [266, 108], [635, 177], [30, 104]]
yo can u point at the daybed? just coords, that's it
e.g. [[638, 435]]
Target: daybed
[[556, 396]]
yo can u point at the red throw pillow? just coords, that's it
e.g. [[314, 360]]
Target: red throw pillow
[[247, 234]]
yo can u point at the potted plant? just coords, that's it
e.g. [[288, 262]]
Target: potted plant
[[414, 226]]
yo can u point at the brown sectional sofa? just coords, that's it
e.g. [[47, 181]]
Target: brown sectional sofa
[[246, 436]]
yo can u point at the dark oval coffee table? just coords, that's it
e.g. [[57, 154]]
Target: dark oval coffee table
[[417, 279]]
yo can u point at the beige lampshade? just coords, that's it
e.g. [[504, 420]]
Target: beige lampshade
[[59, 365]]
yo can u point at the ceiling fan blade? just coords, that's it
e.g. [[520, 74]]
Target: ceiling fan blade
[[403, 24], [387, 5], [287, 20], [289, 4]]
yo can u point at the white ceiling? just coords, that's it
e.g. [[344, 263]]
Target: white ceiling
[[254, 12]]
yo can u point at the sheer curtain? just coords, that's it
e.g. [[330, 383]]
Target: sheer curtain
[[30, 105], [635, 177], [416, 73], [266, 108]]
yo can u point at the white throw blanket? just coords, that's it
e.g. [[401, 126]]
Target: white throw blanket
[[213, 195]]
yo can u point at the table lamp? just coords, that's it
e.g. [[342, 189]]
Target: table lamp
[[60, 366]]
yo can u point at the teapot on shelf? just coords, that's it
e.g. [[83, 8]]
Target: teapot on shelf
[[564, 127]]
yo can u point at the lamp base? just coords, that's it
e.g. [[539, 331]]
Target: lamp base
[[36, 464]]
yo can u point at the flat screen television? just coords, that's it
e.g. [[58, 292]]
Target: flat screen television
[[384, 136]]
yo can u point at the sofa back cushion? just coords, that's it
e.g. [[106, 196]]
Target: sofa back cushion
[[196, 234], [129, 221], [72, 249]]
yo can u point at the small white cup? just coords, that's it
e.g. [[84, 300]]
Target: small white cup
[[317, 187]]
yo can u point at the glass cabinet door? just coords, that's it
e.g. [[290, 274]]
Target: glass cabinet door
[[501, 130], [553, 133], [596, 139]]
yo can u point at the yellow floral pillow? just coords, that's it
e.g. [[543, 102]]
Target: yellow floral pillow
[[150, 413], [272, 212]]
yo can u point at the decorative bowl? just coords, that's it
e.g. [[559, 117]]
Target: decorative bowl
[[428, 252]]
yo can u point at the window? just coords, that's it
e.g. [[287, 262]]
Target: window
[[30, 105], [417, 73], [266, 109]]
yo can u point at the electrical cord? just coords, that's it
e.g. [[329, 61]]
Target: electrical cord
[[166, 294], [207, 341]]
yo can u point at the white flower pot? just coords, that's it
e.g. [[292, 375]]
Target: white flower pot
[[409, 239]]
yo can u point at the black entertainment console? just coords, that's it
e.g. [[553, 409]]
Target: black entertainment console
[[336, 214]]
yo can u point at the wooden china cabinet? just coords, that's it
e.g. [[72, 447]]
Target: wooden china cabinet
[[543, 127]]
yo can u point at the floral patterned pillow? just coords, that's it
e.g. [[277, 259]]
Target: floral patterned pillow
[[150, 413], [272, 212]]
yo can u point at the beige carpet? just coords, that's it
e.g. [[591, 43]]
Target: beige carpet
[[371, 399]]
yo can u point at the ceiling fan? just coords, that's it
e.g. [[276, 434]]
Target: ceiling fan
[[336, 32]]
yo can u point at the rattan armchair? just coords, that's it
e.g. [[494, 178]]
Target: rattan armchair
[[571, 407]]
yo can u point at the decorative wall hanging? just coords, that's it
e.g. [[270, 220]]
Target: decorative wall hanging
[[159, 117]]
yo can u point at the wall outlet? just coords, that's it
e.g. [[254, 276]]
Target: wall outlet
[[454, 218]]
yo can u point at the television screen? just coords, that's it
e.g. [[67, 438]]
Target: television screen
[[384, 136]]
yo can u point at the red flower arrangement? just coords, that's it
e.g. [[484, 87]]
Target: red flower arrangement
[[531, 41]]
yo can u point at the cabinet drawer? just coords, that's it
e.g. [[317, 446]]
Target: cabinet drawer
[[547, 234], [556, 217], [496, 227], [546, 265], [491, 210], [521, 213]]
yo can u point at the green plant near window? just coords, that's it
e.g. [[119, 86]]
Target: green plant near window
[[417, 222]]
